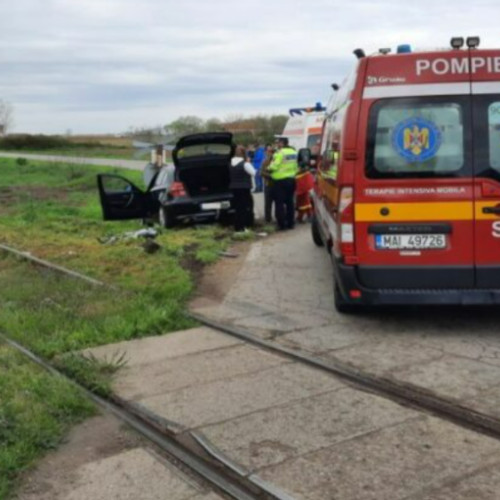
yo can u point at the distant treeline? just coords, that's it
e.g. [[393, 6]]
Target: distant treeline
[[258, 129], [253, 130], [19, 142]]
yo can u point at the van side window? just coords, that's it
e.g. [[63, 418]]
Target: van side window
[[418, 137], [494, 134], [487, 136]]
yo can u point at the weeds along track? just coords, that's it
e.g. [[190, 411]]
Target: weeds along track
[[399, 392], [186, 449]]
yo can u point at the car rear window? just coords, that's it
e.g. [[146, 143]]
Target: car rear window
[[417, 138], [204, 149]]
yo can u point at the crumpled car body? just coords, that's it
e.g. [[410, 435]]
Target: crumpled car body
[[194, 188]]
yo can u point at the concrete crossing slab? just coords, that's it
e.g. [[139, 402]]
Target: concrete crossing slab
[[226, 399]]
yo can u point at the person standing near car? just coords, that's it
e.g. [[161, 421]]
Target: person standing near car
[[283, 169], [267, 183], [258, 159], [241, 184]]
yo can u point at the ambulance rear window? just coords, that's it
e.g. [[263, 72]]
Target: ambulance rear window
[[417, 138]]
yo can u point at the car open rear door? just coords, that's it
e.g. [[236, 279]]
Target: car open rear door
[[122, 200], [414, 226], [486, 120]]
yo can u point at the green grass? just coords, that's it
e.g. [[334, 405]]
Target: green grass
[[53, 211], [35, 412]]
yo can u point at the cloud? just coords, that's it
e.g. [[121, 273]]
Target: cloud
[[105, 65]]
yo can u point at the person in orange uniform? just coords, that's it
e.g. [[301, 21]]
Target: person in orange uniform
[[304, 182]]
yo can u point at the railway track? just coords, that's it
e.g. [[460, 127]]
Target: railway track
[[227, 477], [187, 449]]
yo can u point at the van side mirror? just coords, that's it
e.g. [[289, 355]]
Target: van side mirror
[[304, 157]]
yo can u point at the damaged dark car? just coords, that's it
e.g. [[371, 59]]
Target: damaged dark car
[[194, 189]]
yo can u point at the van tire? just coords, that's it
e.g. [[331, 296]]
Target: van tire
[[165, 218], [316, 236], [341, 305]]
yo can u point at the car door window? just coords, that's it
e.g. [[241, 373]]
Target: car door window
[[115, 185]]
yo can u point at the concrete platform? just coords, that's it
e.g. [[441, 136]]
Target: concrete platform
[[302, 431]]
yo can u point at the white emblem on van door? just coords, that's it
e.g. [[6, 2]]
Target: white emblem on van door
[[371, 80], [495, 229]]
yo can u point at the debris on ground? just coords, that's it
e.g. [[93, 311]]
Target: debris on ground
[[148, 233]]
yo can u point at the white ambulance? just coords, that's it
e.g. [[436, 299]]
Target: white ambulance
[[303, 128]]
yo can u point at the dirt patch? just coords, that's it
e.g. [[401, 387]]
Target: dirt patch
[[214, 282], [96, 438], [10, 195]]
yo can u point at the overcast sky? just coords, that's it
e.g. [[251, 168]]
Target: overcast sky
[[96, 66]]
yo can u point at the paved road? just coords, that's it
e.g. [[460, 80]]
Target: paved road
[[130, 164], [309, 434], [453, 352]]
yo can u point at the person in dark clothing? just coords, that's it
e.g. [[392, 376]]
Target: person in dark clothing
[[241, 184]]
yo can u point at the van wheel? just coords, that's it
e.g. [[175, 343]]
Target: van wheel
[[341, 305], [316, 236], [165, 218]]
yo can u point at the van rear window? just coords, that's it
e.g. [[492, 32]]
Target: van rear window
[[417, 138]]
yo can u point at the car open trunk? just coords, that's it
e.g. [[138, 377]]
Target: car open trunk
[[202, 162]]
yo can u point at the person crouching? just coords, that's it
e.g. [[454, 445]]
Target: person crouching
[[241, 184], [304, 182]]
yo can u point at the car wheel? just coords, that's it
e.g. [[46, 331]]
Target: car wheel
[[165, 218], [341, 304], [316, 236]]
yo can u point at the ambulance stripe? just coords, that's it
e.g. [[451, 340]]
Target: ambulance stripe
[[427, 211], [486, 87], [314, 130], [416, 90]]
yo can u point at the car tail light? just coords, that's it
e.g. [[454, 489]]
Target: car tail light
[[177, 189], [346, 213]]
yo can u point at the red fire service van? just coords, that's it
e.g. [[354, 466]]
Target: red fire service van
[[407, 198]]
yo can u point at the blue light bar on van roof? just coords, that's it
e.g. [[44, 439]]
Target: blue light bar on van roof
[[299, 111], [404, 49]]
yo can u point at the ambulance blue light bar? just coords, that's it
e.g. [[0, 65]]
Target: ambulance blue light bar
[[404, 49], [299, 111]]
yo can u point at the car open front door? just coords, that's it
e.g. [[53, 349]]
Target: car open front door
[[486, 105], [122, 200]]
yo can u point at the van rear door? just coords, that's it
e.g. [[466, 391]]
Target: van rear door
[[414, 225], [486, 120]]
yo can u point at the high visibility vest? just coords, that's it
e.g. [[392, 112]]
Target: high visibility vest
[[284, 164], [332, 171]]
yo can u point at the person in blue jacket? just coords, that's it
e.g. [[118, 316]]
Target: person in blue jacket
[[258, 158]]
